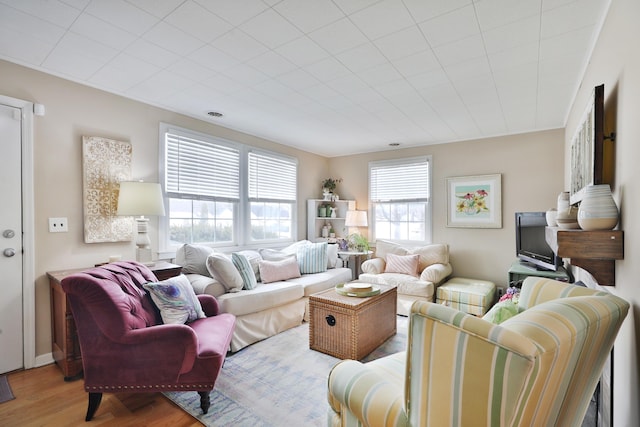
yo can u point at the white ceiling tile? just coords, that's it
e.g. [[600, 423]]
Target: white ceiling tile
[[245, 74], [350, 6], [570, 43], [78, 4], [151, 53], [422, 10], [271, 29], [477, 91], [320, 92], [157, 8], [496, 13], [298, 79], [407, 42], [380, 74], [191, 70], [123, 72], [234, 11], [239, 45], [327, 69], [302, 51], [223, 84], [419, 63], [383, 18], [467, 70], [172, 39], [309, 15], [460, 51], [512, 35], [78, 57], [395, 87], [428, 79], [213, 58], [450, 27], [52, 11], [272, 64], [338, 36], [15, 21], [122, 15], [198, 22], [361, 57], [569, 17], [524, 54], [159, 86], [103, 32]]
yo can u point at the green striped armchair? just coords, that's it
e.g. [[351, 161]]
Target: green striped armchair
[[538, 368]]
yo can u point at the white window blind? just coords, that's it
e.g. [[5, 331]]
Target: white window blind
[[404, 180], [201, 168], [272, 177]]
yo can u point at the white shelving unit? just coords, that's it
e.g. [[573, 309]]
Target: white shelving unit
[[315, 222]]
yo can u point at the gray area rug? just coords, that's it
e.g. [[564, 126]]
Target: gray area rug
[[276, 382], [5, 390]]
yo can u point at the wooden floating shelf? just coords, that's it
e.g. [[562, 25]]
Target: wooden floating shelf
[[594, 251]]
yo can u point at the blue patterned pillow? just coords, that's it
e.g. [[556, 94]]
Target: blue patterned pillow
[[312, 258], [176, 300], [243, 266]]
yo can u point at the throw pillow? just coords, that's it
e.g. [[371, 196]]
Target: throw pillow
[[244, 268], [254, 259], [222, 269], [193, 259], [403, 264], [175, 299], [275, 255], [501, 311], [274, 271], [312, 258]]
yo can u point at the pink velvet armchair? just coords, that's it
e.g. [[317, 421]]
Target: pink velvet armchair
[[125, 345]]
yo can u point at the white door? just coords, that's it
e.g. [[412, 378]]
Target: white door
[[11, 304]]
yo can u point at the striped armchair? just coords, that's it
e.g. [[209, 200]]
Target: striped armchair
[[539, 367]]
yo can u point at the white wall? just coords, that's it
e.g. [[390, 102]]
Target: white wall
[[616, 63]]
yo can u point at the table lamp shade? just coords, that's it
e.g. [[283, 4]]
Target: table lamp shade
[[356, 219], [140, 198]]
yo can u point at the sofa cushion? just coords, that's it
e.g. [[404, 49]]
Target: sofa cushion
[[221, 268], [206, 285], [437, 253], [312, 258], [263, 297], [193, 258], [406, 285], [275, 255], [318, 282], [243, 266], [176, 300], [403, 264], [274, 271]]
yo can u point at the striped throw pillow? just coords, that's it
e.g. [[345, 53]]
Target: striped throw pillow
[[243, 266], [404, 264], [312, 258]]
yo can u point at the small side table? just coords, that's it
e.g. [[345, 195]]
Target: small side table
[[354, 260]]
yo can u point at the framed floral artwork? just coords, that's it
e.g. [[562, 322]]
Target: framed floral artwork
[[474, 201]]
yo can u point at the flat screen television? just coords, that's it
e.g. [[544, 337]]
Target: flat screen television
[[531, 247]]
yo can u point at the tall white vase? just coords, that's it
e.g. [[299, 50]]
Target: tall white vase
[[598, 210]]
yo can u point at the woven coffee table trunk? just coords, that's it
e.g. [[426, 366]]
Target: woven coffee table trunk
[[351, 327]]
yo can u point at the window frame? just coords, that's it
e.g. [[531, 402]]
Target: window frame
[[428, 225], [241, 219]]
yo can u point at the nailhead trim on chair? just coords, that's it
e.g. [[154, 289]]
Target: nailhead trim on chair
[[150, 387]]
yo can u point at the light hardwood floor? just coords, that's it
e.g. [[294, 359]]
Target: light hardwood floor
[[43, 398]]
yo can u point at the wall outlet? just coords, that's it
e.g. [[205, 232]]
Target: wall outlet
[[58, 225]]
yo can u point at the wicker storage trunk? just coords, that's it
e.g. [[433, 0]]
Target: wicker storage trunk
[[350, 327]]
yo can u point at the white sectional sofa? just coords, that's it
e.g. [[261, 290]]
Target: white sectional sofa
[[268, 308]]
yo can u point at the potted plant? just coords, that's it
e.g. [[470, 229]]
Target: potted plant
[[328, 187], [357, 242]]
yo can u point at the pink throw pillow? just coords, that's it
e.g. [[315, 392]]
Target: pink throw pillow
[[274, 271], [404, 264]]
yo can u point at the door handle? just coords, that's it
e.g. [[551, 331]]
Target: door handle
[[9, 252]]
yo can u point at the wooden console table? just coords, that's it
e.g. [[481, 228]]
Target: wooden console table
[[65, 346]]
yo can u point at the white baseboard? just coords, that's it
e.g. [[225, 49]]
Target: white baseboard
[[44, 359]]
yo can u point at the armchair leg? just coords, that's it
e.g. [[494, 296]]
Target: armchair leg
[[94, 402], [205, 401]]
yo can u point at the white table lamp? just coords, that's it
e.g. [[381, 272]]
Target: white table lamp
[[137, 198], [355, 219]]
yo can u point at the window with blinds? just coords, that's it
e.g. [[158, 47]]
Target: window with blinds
[[400, 198], [272, 196], [216, 190]]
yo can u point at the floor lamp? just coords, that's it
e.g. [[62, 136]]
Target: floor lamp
[[137, 198]]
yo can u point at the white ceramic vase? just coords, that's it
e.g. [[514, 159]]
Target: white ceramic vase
[[598, 210]]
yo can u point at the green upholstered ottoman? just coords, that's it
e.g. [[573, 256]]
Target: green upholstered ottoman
[[469, 295]]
